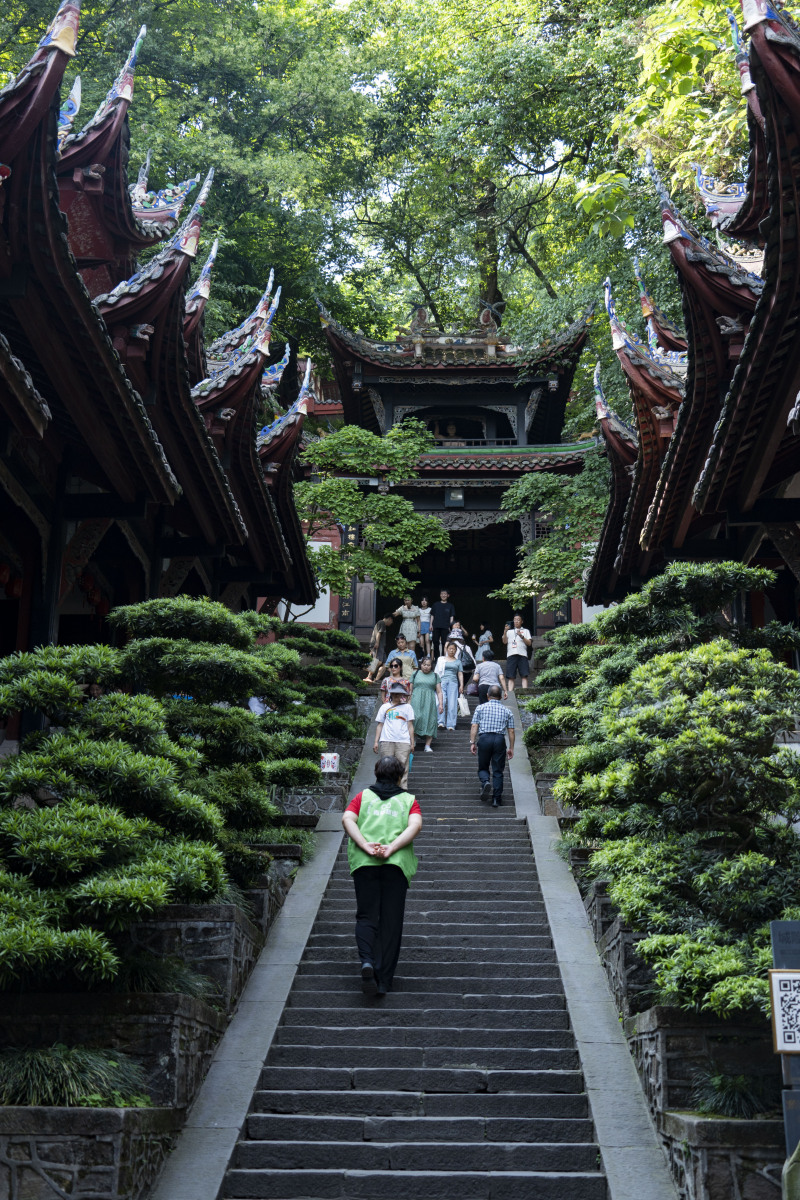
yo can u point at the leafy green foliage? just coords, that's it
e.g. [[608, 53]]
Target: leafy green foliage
[[716, 1093], [392, 533], [183, 619], [203, 670], [69, 1077], [573, 508], [682, 795], [293, 772]]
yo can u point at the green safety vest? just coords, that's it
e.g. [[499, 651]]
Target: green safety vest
[[382, 821]]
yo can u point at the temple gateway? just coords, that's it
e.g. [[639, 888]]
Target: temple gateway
[[495, 412]]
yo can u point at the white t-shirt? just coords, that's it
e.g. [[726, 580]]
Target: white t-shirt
[[393, 720], [515, 643]]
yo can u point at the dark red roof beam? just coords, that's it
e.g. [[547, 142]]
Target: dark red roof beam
[[752, 430], [48, 319], [145, 315]]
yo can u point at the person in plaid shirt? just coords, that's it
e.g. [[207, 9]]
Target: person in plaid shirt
[[487, 739]]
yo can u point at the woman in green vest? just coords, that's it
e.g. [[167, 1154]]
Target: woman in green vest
[[381, 822]]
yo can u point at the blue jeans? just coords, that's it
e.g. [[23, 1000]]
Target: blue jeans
[[492, 749], [450, 696]]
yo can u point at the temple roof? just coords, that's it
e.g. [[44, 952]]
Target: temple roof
[[622, 449], [250, 358], [661, 370], [162, 207], [423, 346], [109, 113], [223, 346], [751, 445], [72, 363], [668, 335], [18, 394], [482, 356], [733, 286], [183, 242]]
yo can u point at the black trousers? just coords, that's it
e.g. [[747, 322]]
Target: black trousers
[[492, 750], [483, 693], [381, 904], [439, 635]]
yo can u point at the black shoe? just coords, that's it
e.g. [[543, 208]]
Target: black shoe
[[486, 790], [497, 803], [381, 992], [369, 984]]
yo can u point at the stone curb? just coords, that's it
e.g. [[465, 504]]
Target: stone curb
[[633, 1159], [195, 1170]]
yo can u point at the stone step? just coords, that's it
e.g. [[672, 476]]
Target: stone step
[[484, 1105], [415, 1156], [405, 982], [414, 1013], [417, 924], [444, 954], [494, 1000], [285, 1127], [416, 906], [471, 969], [412, 1185], [480, 1058], [550, 1033], [435, 940], [415, 1079]]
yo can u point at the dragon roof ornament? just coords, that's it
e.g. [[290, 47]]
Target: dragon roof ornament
[[675, 363], [62, 32], [651, 310], [292, 415], [68, 112], [185, 241], [217, 366], [164, 205], [241, 359], [201, 289], [273, 374], [721, 201], [121, 91], [606, 413], [698, 248], [742, 55], [236, 338]]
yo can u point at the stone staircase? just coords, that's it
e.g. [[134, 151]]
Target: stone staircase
[[464, 1081]]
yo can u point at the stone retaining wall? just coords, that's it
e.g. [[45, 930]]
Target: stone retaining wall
[[713, 1159], [669, 1046], [172, 1036], [217, 940], [311, 801], [629, 978], [83, 1153]]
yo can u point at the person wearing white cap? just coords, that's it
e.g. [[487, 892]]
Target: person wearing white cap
[[394, 731]]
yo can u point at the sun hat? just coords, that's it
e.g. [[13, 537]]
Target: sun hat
[[397, 687]]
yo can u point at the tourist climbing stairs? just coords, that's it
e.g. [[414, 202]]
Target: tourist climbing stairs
[[465, 1080]]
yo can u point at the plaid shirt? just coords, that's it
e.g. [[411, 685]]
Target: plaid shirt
[[493, 717]]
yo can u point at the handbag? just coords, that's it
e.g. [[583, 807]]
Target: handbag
[[472, 688], [463, 706]]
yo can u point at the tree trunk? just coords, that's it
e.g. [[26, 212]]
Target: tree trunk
[[486, 248]]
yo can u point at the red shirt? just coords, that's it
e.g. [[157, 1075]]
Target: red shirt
[[355, 805]]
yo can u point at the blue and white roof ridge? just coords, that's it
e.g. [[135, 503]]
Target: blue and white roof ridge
[[673, 363], [120, 90], [184, 241], [241, 359], [677, 227], [235, 338]]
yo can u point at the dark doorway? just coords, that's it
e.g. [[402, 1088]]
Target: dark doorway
[[477, 562]]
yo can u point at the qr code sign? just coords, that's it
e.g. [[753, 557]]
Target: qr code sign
[[785, 996]]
